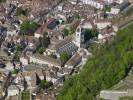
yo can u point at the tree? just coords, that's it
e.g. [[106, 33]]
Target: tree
[[45, 85], [64, 57], [45, 40], [53, 56], [89, 34], [20, 12], [41, 50], [66, 32], [15, 71], [107, 8], [28, 28], [16, 56], [43, 43]]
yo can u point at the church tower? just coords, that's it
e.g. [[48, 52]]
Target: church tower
[[79, 37]]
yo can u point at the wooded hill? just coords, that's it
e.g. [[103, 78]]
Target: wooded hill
[[108, 66]]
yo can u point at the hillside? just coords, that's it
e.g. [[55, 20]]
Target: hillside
[[109, 65]]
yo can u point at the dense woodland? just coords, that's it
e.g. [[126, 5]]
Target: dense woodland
[[109, 65]]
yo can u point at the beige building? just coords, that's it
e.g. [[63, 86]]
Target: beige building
[[45, 60]]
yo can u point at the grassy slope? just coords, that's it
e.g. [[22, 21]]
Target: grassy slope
[[108, 67]]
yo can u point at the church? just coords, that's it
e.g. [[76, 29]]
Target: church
[[70, 44]]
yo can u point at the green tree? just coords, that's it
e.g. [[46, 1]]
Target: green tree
[[45, 85], [43, 43], [90, 33], [20, 12], [66, 32], [16, 56], [28, 28], [64, 57], [41, 50], [45, 40]]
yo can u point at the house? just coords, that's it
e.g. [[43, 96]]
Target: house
[[14, 90], [109, 1], [67, 71], [39, 70], [51, 75], [122, 23], [105, 34], [24, 60], [61, 15], [9, 66], [40, 31], [73, 61], [99, 4], [87, 24], [52, 24], [44, 60], [56, 37], [114, 1], [60, 7], [74, 2], [4, 74], [120, 7], [30, 77], [24, 40], [119, 1], [102, 23], [47, 27], [24, 55]]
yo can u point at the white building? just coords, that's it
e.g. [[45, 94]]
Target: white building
[[24, 60], [113, 1], [105, 34], [114, 10], [45, 60], [13, 90], [102, 23], [74, 2], [119, 1], [99, 4], [30, 76], [87, 24], [120, 7]]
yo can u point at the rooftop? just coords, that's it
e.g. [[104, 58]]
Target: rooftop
[[48, 59], [63, 42], [75, 59]]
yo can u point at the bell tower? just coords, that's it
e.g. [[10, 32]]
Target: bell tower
[[79, 38]]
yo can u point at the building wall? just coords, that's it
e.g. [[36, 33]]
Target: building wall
[[42, 62], [115, 10], [36, 35], [103, 25], [96, 4], [53, 80], [69, 66], [13, 92], [24, 61]]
